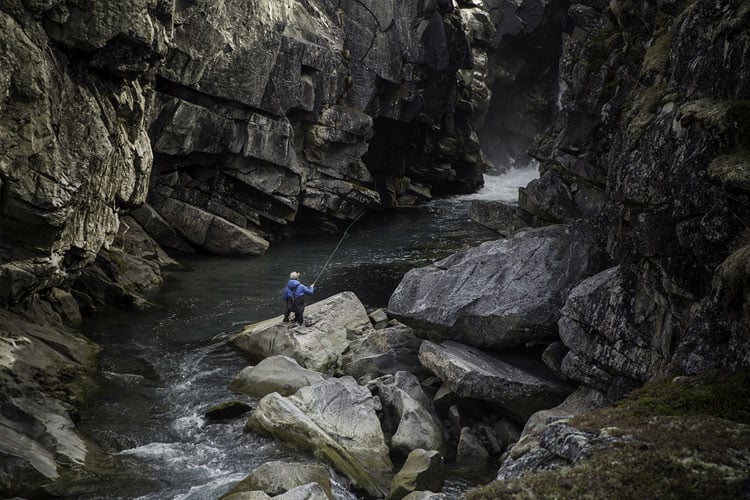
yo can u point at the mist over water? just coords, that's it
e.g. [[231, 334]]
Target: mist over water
[[161, 369]]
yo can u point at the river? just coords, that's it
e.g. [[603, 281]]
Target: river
[[160, 369]]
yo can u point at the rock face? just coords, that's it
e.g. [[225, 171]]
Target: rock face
[[235, 119], [271, 125], [517, 49], [333, 323], [37, 432], [675, 302], [502, 293], [335, 419], [519, 385], [82, 152]]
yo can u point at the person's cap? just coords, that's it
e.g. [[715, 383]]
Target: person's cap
[[294, 275]]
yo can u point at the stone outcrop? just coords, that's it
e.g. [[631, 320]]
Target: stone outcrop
[[74, 139], [331, 325], [289, 121], [502, 293], [336, 420], [518, 384], [652, 150], [37, 432]]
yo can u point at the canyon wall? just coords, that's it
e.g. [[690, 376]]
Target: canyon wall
[[196, 126]]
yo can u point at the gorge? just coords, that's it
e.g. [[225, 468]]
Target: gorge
[[140, 136]]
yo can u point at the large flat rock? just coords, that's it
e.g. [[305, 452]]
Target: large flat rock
[[331, 325], [502, 293], [520, 385]]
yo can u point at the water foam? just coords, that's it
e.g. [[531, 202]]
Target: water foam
[[505, 187]]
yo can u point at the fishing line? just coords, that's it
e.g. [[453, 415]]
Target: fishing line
[[337, 247]]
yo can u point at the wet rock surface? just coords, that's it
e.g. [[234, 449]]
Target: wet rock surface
[[503, 293], [330, 325], [276, 478], [520, 385], [335, 418], [280, 374]]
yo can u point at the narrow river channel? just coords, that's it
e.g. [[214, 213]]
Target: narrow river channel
[[160, 369]]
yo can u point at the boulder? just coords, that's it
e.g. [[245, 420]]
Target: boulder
[[336, 420], [614, 346], [280, 374], [518, 384], [247, 495], [332, 324], [427, 495], [379, 318], [423, 470], [502, 218], [502, 293], [471, 449], [311, 491], [409, 417], [553, 356], [382, 352], [275, 478]]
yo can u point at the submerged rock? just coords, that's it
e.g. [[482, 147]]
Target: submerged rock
[[335, 420], [330, 325], [519, 384], [502, 293], [279, 374]]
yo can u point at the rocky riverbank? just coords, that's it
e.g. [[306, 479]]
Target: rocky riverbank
[[210, 127], [221, 127], [412, 402]]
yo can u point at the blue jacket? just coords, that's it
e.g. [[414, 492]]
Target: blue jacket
[[297, 293]]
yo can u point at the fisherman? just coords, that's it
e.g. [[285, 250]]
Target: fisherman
[[294, 297]]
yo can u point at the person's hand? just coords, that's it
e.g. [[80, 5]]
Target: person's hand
[[312, 286]]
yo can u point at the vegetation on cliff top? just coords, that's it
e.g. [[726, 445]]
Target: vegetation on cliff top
[[688, 438]]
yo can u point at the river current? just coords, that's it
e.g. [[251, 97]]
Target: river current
[[160, 369]]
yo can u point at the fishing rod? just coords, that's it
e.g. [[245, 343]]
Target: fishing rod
[[337, 247]]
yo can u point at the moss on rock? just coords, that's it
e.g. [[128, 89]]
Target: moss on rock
[[686, 438]]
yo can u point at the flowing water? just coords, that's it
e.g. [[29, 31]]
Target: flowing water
[[162, 368]]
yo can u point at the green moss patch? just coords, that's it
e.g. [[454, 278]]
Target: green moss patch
[[688, 438]]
